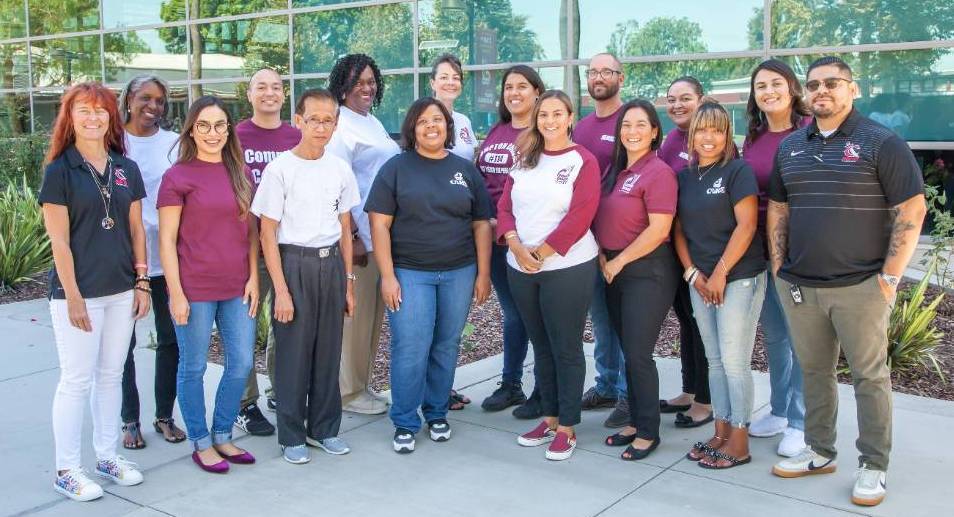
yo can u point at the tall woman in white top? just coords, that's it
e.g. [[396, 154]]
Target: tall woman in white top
[[544, 216], [361, 140], [447, 82], [143, 105]]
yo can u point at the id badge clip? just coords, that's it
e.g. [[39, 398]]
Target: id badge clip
[[796, 294]]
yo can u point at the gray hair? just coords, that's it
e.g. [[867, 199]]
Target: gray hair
[[134, 85]]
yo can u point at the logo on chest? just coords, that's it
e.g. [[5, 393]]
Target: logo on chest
[[563, 175], [608, 138], [716, 188], [466, 137], [628, 185], [120, 178], [459, 179], [851, 153]]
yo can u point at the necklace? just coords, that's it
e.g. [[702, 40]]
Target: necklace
[[702, 173], [105, 191]]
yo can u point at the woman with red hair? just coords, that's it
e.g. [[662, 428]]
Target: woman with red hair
[[91, 197]]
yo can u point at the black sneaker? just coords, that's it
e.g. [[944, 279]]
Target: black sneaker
[[403, 441], [508, 394], [271, 404], [439, 429], [251, 420], [593, 400], [620, 416], [530, 409]]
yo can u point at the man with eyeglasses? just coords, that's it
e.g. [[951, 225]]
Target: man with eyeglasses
[[846, 203], [596, 132], [263, 137]]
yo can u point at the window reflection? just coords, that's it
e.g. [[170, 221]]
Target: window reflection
[[235, 97], [129, 54], [59, 16], [236, 48], [12, 19], [61, 62], [125, 13], [14, 72]]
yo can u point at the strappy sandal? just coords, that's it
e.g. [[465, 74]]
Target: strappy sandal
[[619, 439], [704, 448], [457, 401], [171, 433], [733, 461], [132, 436]]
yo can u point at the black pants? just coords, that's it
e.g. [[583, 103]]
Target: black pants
[[308, 348], [638, 301], [167, 359], [692, 353], [553, 305]]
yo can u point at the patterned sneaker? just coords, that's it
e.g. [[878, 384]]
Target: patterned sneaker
[[561, 448], [541, 434], [870, 486], [806, 463], [296, 454], [251, 420], [439, 429], [403, 441], [76, 485], [120, 470]]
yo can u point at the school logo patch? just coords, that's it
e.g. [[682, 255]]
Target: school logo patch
[[852, 153], [120, 178], [466, 136], [458, 179], [608, 138], [630, 182], [564, 175], [716, 188]]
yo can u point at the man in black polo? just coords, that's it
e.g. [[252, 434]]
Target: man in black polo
[[845, 212]]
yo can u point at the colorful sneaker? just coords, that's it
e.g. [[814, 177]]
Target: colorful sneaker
[[870, 486], [767, 425], [120, 470], [403, 441], [792, 443], [541, 434], [296, 454], [439, 429], [806, 463], [76, 485], [562, 447]]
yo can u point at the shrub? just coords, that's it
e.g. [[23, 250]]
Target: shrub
[[22, 157], [942, 236], [912, 336], [24, 247]]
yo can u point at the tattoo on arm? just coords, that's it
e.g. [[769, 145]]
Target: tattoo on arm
[[778, 235], [900, 226]]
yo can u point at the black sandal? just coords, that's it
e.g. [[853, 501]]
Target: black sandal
[[684, 421], [177, 434], [619, 439], [132, 436], [457, 401], [633, 454], [733, 461], [666, 407], [704, 448]]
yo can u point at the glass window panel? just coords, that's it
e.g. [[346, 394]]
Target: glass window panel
[[911, 91], [177, 106], [12, 19], [239, 48], [60, 62], [14, 71], [398, 96], [14, 114], [159, 52], [313, 3], [124, 13], [213, 8], [653, 29], [59, 16], [483, 32], [823, 22], [383, 32], [235, 96], [45, 106]]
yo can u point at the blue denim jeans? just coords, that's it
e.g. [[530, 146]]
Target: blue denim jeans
[[728, 333], [515, 339], [237, 331], [425, 339], [785, 374], [608, 353]]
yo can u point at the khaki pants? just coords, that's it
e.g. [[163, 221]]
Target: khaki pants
[[856, 318], [359, 344], [251, 387]]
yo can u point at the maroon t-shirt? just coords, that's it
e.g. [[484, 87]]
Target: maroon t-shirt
[[213, 240], [675, 149], [597, 135], [649, 186], [760, 155], [260, 145], [496, 157]]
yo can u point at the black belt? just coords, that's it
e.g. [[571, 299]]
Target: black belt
[[304, 251]]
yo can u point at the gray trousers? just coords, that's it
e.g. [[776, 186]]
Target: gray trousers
[[856, 318], [251, 386], [308, 348]]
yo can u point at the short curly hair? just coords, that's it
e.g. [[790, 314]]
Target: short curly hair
[[345, 74]]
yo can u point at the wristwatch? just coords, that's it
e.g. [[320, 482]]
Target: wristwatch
[[891, 280], [351, 276]]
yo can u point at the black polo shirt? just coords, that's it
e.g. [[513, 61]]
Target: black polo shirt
[[434, 204], [840, 190], [103, 260]]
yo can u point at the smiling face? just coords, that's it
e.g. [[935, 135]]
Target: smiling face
[[447, 83], [90, 122], [681, 103], [146, 107], [601, 88], [553, 121], [430, 130], [318, 121], [709, 144], [772, 94], [360, 97], [210, 132], [831, 102], [519, 95], [637, 132], [266, 92]]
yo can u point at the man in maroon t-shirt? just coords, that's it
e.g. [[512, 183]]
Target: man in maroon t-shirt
[[263, 137], [596, 132]]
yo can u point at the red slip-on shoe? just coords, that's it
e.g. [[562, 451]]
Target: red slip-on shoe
[[541, 434], [562, 447]]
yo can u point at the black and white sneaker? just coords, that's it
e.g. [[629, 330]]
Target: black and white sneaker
[[271, 404], [403, 441], [440, 430], [251, 420]]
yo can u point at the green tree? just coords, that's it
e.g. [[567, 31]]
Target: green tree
[[515, 41]]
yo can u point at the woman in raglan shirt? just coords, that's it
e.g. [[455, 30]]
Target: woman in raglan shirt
[[143, 105], [776, 109], [692, 406], [519, 89], [544, 216]]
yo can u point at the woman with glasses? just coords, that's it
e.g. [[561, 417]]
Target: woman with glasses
[[208, 243]]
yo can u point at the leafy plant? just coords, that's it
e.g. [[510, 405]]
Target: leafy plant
[[912, 336], [264, 323], [22, 157], [24, 247], [942, 235], [936, 172]]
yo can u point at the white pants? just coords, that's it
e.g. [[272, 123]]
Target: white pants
[[90, 359]]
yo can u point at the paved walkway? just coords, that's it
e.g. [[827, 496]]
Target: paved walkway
[[480, 472]]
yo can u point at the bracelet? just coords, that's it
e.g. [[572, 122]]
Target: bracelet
[[140, 265], [689, 272], [142, 278], [143, 289], [692, 277], [510, 235], [351, 276], [724, 268]]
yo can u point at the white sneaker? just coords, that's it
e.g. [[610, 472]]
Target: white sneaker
[[792, 443], [366, 404], [806, 463], [120, 470], [767, 425], [76, 485], [870, 486]]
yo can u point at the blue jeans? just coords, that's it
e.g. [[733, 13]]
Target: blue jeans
[[237, 330], [785, 374], [728, 333], [425, 338], [608, 353], [515, 339]]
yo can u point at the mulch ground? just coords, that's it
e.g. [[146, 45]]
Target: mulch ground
[[35, 287]]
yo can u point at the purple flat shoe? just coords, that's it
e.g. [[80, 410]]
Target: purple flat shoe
[[244, 458], [217, 468]]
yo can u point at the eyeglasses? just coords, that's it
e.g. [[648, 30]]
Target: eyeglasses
[[605, 73], [830, 83], [204, 128], [314, 123]]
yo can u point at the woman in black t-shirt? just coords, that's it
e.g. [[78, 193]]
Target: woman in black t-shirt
[[724, 263], [91, 197], [430, 228]]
